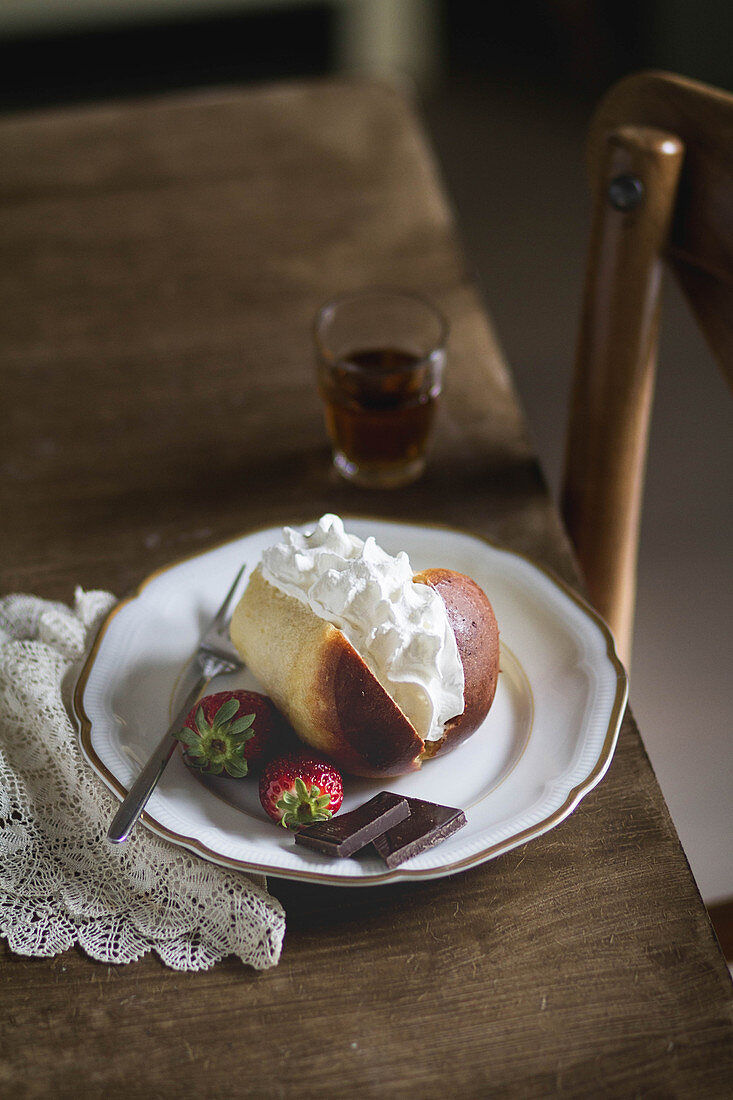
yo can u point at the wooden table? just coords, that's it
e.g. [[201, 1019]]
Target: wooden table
[[161, 263]]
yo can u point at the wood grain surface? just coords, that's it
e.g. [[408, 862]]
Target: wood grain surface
[[161, 266]]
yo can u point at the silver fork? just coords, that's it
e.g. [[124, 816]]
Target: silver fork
[[215, 656]]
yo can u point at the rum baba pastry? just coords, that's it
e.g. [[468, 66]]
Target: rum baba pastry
[[372, 665]]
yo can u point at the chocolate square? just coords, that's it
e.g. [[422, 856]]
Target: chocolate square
[[345, 834], [426, 826]]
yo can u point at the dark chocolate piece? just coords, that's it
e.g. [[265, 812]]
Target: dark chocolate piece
[[346, 834], [427, 825]]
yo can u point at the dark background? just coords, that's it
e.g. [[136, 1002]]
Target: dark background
[[570, 45]]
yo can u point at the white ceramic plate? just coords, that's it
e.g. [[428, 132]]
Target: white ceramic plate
[[547, 741]]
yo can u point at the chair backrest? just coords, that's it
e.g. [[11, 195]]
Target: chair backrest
[[661, 164]]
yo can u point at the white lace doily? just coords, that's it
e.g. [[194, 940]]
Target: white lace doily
[[61, 881]]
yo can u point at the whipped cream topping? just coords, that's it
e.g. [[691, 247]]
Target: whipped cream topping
[[399, 628]]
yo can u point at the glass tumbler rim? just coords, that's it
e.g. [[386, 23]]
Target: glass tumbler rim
[[364, 294]]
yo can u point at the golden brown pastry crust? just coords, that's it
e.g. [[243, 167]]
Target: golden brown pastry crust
[[318, 680], [334, 703], [477, 635]]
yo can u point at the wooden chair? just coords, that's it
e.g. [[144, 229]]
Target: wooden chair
[[661, 162]]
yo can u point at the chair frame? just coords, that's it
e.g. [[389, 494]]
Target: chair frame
[[661, 162]]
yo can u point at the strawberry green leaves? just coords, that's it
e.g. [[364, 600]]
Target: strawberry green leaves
[[300, 789], [304, 805], [218, 744]]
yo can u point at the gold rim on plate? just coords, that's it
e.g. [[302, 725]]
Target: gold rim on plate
[[573, 798]]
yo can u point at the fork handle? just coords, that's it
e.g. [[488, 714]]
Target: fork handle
[[137, 797]]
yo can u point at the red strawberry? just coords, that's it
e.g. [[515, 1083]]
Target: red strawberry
[[298, 789], [229, 731]]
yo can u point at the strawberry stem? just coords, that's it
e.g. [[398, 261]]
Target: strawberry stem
[[218, 746], [303, 805]]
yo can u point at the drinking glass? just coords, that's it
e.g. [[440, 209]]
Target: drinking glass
[[380, 361]]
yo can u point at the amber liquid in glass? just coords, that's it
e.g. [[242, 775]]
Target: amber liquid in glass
[[379, 406]]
